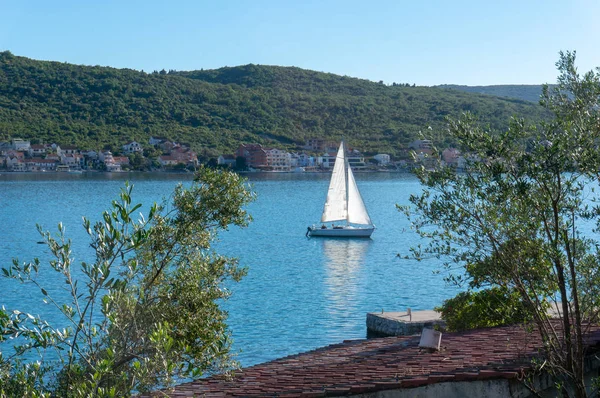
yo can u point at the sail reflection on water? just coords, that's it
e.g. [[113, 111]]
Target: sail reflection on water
[[344, 259]]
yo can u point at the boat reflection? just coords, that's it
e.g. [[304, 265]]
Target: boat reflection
[[344, 259]]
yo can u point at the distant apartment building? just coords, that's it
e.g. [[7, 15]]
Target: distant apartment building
[[255, 155], [278, 160]]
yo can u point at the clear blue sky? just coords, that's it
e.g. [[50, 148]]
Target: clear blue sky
[[425, 42]]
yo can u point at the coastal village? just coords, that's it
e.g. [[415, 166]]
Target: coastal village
[[162, 154]]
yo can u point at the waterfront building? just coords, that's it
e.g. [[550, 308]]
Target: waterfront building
[[255, 155], [278, 160], [168, 160], [74, 161], [39, 164], [355, 159]]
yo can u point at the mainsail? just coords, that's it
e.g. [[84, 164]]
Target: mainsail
[[336, 208], [343, 198]]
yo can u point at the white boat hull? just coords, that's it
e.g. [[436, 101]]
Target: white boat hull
[[344, 232]]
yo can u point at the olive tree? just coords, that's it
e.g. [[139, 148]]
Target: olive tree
[[145, 312], [522, 216]]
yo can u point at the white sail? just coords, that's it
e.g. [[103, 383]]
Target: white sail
[[336, 208], [357, 212]]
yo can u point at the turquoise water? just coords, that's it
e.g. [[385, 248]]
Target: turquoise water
[[299, 293]]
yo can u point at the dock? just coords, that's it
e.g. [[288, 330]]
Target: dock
[[402, 323]]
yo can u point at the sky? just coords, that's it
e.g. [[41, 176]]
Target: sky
[[425, 42]]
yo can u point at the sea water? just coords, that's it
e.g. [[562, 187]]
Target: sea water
[[300, 293]]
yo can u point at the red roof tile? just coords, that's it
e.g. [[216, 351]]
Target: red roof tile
[[366, 366]]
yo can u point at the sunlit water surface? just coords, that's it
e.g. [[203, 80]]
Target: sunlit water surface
[[299, 293]]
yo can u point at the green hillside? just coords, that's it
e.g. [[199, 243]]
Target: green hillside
[[214, 110]]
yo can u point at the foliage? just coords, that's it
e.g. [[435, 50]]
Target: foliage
[[491, 307], [215, 111], [145, 313], [519, 217]]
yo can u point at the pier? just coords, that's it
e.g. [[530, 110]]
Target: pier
[[401, 323]]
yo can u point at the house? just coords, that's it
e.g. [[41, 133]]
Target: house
[[226, 160], [37, 150], [74, 161], [382, 159], [39, 164], [185, 155], [278, 160], [132, 147], [168, 160], [67, 150], [355, 159], [422, 146], [490, 362], [109, 161], [255, 155], [167, 145], [15, 163], [121, 160], [19, 144]]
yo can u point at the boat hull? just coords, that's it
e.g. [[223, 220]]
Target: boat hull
[[345, 232]]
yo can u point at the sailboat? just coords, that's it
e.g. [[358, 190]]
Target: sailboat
[[344, 204]]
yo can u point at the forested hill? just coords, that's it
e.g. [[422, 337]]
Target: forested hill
[[215, 110], [526, 92]]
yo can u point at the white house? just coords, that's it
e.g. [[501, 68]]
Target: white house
[[226, 160], [37, 150], [167, 160], [19, 144], [132, 147], [382, 158]]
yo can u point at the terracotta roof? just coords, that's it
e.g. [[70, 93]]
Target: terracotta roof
[[367, 366]]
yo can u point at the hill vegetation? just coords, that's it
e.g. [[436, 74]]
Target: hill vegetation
[[215, 110]]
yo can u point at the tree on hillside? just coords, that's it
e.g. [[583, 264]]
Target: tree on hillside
[[522, 217], [145, 312]]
